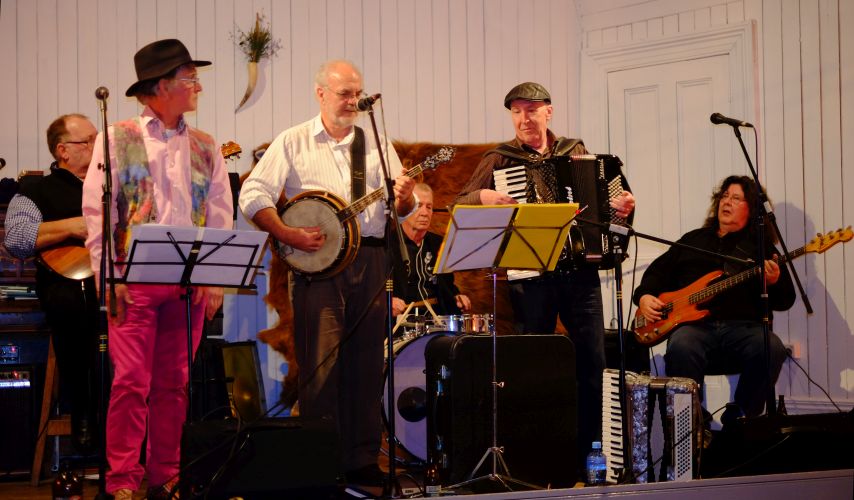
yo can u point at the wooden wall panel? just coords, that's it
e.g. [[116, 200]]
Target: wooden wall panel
[[443, 67], [803, 113]]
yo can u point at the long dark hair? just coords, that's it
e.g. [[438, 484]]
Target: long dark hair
[[751, 194]]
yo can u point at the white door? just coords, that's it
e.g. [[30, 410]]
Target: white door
[[658, 123]]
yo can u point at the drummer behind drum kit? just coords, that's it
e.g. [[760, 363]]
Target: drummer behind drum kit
[[410, 391]]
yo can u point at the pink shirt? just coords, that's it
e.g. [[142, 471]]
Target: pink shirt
[[169, 164]]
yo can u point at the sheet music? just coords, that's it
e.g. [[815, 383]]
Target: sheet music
[[474, 237]]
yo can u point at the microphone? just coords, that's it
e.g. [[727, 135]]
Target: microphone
[[365, 103], [102, 93], [718, 119]]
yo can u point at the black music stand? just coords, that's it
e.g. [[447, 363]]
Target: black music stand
[[193, 256], [501, 237]]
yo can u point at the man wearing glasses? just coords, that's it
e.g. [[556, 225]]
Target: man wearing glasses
[[46, 213], [730, 338], [166, 172], [340, 374]]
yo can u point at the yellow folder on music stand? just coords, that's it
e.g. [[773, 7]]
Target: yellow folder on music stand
[[505, 236]]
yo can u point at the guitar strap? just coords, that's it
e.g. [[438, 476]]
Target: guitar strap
[[357, 165]]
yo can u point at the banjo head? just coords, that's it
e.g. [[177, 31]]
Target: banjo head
[[313, 211]]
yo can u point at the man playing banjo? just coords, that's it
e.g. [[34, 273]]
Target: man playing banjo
[[338, 315]]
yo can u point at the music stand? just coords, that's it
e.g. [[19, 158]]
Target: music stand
[[193, 256], [501, 237]]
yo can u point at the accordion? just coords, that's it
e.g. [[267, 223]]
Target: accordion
[[591, 181], [677, 431]]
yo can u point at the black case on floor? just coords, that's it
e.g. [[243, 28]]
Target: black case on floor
[[536, 406]]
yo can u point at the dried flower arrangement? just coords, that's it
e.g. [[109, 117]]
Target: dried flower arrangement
[[256, 44]]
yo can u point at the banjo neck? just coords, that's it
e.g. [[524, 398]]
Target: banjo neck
[[364, 202]]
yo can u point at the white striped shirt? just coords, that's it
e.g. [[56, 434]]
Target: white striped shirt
[[305, 157]]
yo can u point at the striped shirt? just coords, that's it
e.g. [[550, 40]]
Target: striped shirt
[[23, 219]]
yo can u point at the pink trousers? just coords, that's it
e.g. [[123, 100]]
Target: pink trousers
[[149, 391]]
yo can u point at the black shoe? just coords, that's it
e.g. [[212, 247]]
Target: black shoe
[[168, 491], [369, 475]]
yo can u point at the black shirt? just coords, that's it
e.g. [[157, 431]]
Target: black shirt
[[678, 268], [421, 283]]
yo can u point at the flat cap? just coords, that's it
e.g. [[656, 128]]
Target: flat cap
[[528, 91]]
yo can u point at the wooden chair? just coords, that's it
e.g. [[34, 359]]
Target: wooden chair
[[49, 425]]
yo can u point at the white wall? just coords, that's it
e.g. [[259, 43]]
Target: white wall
[[443, 67]]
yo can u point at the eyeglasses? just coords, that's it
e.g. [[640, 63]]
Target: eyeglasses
[[346, 96], [89, 142], [191, 81], [734, 198]]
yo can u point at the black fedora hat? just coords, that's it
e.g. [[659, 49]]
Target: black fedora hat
[[159, 58]]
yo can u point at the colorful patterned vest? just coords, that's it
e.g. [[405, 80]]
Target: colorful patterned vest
[[135, 191]]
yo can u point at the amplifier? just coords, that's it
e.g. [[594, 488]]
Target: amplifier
[[782, 444], [270, 458], [20, 398]]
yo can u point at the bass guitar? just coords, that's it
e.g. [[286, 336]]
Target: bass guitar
[[681, 306], [337, 221], [72, 260]]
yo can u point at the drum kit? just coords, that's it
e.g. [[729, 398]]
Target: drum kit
[[410, 391]]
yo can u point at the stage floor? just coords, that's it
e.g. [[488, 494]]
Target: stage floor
[[824, 485]]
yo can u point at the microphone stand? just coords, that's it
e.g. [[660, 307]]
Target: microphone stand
[[391, 489], [106, 266], [762, 210]]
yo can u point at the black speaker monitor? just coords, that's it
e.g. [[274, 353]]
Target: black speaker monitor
[[269, 459]]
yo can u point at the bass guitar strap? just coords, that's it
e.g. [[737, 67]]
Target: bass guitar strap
[[357, 165]]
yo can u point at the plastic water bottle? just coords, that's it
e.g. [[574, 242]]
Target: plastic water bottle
[[597, 466]]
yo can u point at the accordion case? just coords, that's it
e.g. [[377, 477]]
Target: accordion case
[[536, 406]]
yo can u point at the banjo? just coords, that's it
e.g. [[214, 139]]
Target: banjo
[[337, 221]]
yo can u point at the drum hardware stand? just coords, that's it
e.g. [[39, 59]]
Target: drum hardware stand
[[499, 238]]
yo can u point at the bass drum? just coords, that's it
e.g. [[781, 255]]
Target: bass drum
[[410, 395]]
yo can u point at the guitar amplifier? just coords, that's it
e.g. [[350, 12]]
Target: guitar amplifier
[[536, 406], [20, 398]]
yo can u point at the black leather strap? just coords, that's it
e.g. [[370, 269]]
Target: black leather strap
[[357, 165]]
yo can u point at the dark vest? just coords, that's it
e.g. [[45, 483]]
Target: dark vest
[[57, 196]]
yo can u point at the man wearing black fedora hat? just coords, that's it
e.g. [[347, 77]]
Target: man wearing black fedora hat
[[573, 295], [165, 172]]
